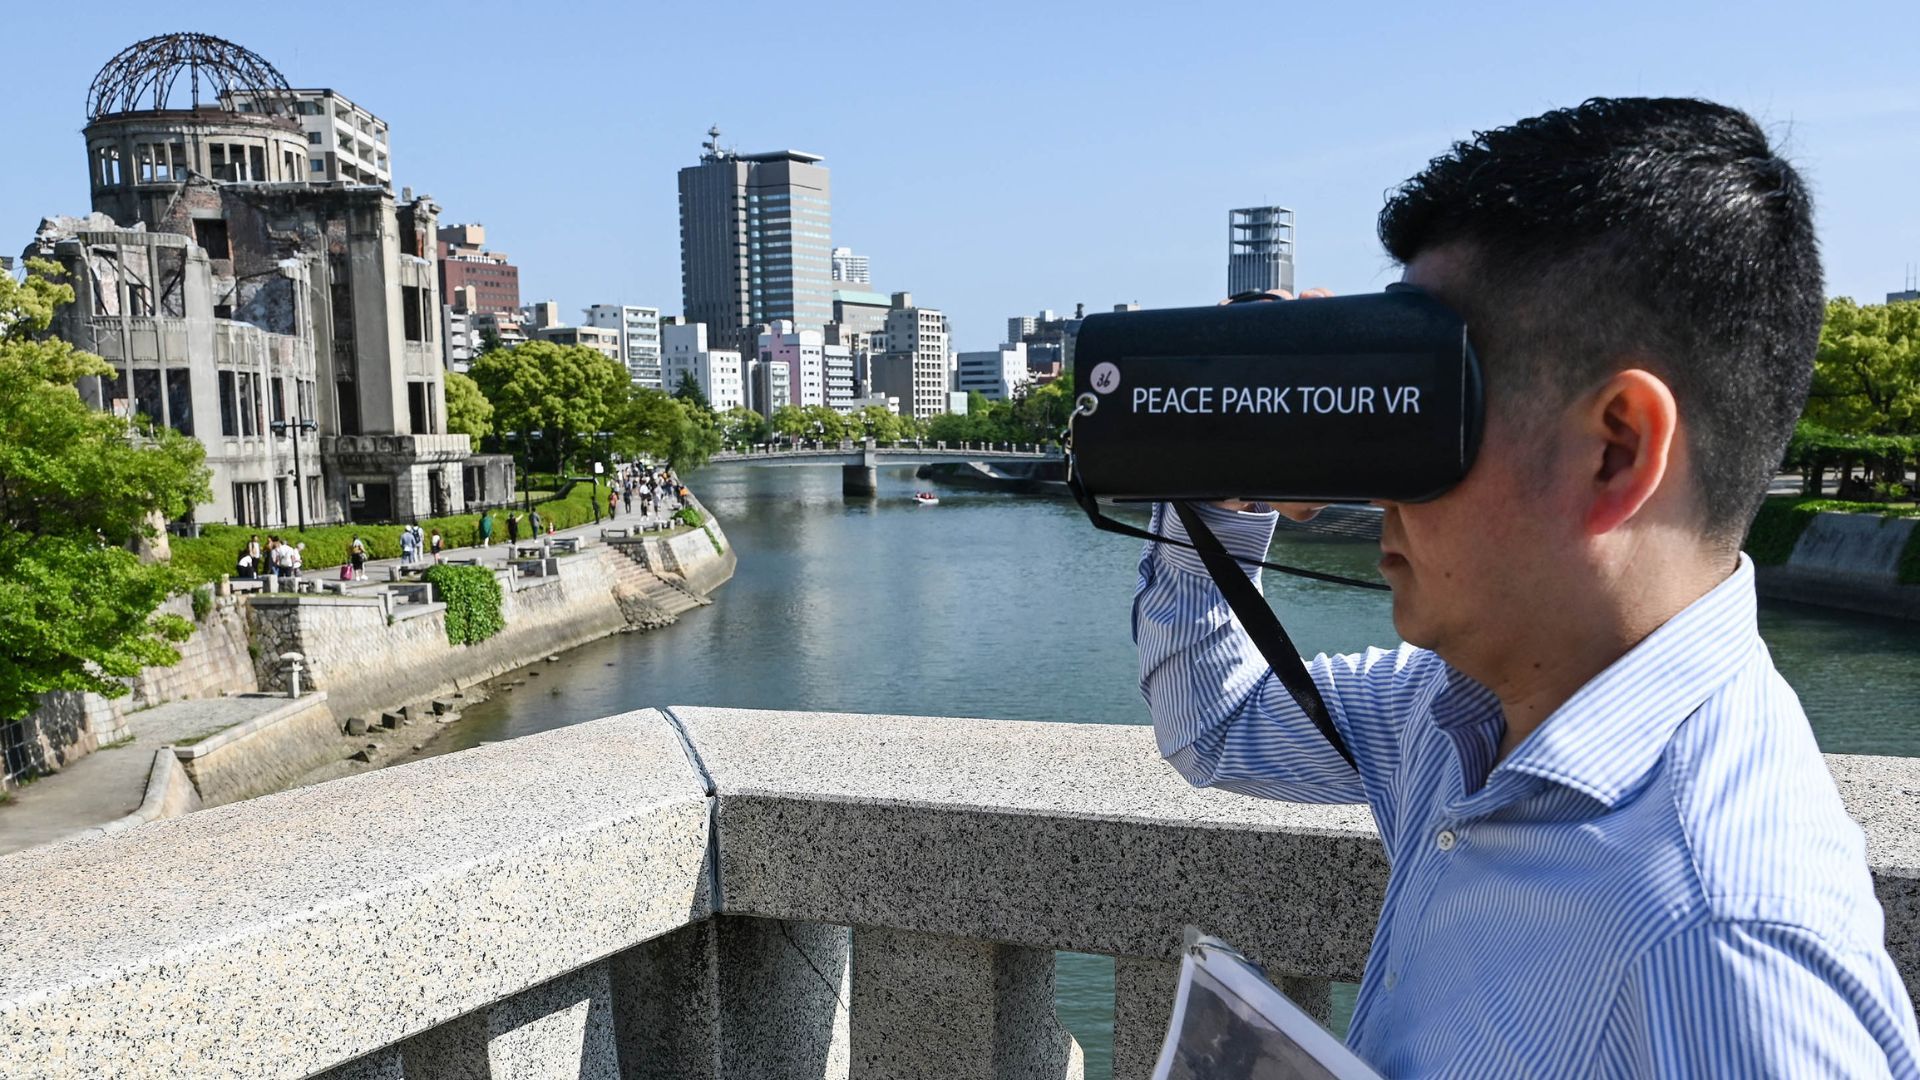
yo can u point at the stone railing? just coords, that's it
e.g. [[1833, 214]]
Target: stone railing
[[703, 893]]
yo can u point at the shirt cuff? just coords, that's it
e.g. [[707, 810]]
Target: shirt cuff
[[1245, 534]]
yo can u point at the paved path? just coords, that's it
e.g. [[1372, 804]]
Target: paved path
[[107, 785]]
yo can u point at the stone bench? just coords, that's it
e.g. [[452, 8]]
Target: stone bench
[[396, 572], [620, 533], [247, 584], [412, 592], [566, 545], [529, 551]]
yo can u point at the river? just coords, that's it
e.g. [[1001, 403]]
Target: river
[[1013, 607]]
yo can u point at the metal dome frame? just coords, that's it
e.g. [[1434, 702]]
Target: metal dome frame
[[143, 75]]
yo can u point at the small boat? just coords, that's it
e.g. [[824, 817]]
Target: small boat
[[926, 498]]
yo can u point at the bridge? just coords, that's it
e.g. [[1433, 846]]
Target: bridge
[[859, 462], [707, 894]]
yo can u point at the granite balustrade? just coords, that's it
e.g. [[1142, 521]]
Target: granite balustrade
[[698, 892]]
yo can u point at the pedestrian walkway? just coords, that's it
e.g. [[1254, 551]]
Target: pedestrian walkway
[[109, 784]]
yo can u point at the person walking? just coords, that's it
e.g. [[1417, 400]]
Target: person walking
[[409, 549], [486, 529], [437, 545], [356, 558], [513, 529], [533, 518]]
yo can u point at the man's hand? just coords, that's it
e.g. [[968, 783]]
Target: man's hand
[[1290, 511]]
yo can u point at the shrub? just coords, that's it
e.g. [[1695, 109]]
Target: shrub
[[472, 595], [202, 603], [689, 516]]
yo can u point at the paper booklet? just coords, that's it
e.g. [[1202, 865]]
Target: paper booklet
[[1230, 1023]]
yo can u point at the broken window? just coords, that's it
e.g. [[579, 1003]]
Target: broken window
[[180, 399], [139, 299], [109, 167], [348, 406], [211, 234], [417, 407], [177, 161], [410, 311], [146, 395], [256, 163], [287, 170], [278, 399], [223, 311], [217, 162], [143, 163], [229, 406]]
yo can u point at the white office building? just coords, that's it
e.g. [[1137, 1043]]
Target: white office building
[[639, 329], [717, 372], [841, 376], [344, 141], [914, 367], [802, 352], [850, 268], [995, 373]]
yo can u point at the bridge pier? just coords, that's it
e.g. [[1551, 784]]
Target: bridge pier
[[859, 481]]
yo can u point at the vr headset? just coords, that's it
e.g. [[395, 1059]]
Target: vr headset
[[1341, 399]]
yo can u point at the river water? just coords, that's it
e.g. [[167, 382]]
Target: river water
[[1013, 607]]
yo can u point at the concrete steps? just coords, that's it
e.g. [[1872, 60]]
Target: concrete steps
[[649, 598]]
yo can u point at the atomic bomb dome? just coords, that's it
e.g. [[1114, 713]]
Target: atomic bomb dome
[[146, 75]]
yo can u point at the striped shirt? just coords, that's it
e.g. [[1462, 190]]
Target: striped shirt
[[1660, 881]]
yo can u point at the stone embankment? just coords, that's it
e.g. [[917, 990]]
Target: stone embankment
[[372, 656], [1847, 561]]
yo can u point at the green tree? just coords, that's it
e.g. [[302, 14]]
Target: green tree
[[883, 424], [561, 395], [689, 390], [678, 431], [489, 342], [741, 426], [468, 410], [78, 490], [824, 423], [790, 421], [1866, 376]]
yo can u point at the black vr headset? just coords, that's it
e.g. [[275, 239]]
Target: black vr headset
[[1341, 399]]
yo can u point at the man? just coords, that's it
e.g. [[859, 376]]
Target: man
[[1615, 847]]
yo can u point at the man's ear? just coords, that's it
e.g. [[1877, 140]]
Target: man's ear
[[1632, 420]]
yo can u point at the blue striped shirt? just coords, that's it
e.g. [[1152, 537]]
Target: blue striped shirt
[[1660, 881]]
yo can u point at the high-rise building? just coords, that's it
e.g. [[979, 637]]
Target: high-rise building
[[1259, 249], [850, 268], [769, 386], [639, 329], [684, 351], [801, 351], [457, 331], [997, 374], [472, 278], [754, 241], [1049, 339], [914, 366], [838, 362], [344, 141]]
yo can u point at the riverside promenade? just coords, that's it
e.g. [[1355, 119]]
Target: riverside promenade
[[103, 789]]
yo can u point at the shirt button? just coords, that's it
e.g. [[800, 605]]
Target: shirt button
[[1445, 839]]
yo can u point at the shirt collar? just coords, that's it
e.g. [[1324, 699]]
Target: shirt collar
[[1605, 738]]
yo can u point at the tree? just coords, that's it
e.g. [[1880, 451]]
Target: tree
[[561, 394], [679, 431], [740, 426], [790, 421], [468, 410], [1866, 375], [489, 342], [826, 424], [689, 390], [78, 489], [882, 424]]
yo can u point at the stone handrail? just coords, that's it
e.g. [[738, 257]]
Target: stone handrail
[[668, 893]]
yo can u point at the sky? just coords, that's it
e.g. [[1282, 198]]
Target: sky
[[998, 158]]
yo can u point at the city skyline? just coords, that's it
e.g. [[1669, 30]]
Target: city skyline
[[1071, 180]]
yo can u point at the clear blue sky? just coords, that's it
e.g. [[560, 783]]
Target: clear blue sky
[[996, 158]]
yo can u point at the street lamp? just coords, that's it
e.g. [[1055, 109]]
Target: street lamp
[[300, 427]]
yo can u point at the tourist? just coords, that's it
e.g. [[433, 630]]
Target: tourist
[[254, 552], [243, 564], [356, 558], [298, 559], [436, 545], [513, 529], [533, 518], [409, 549], [282, 559], [486, 529], [1614, 846]]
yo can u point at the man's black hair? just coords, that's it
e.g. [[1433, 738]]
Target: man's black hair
[[1662, 233]]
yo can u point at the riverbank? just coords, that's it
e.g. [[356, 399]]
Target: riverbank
[[374, 665]]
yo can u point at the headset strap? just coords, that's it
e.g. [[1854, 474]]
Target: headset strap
[[1263, 626]]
